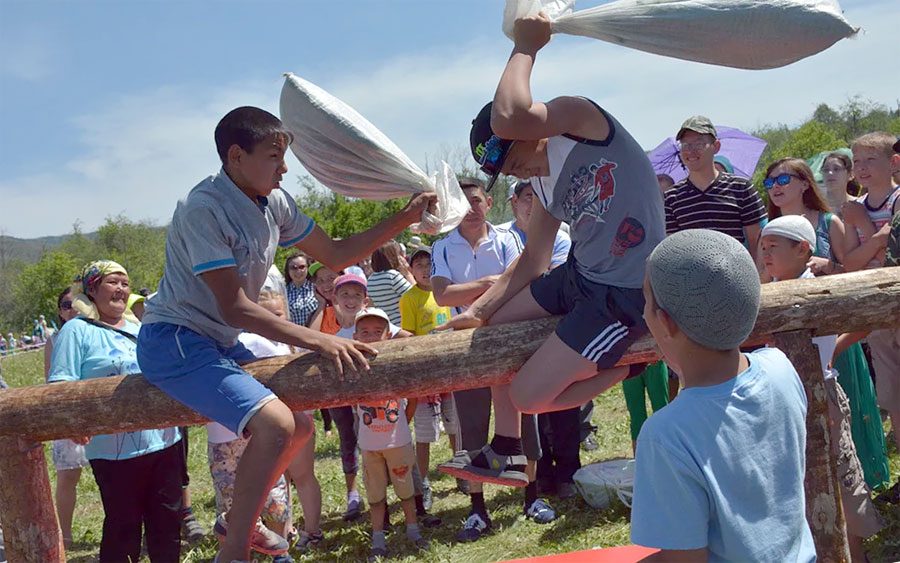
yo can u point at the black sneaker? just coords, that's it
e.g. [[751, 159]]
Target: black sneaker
[[430, 520], [475, 526], [590, 444], [891, 495], [488, 467]]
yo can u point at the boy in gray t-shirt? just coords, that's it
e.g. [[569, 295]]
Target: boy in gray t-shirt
[[219, 247], [587, 171]]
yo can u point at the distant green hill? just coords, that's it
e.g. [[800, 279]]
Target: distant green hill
[[30, 250]]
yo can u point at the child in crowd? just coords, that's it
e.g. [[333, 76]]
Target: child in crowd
[[420, 314], [324, 318], [275, 528], [787, 244], [351, 297], [874, 160], [386, 443], [719, 472]]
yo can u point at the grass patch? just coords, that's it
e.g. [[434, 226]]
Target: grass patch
[[579, 527]]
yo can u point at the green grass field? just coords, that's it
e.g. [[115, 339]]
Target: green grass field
[[579, 527]]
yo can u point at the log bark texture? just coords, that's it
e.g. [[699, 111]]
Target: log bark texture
[[30, 531], [824, 511], [411, 367]]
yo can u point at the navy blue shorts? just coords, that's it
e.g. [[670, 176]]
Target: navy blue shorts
[[600, 321], [194, 370]]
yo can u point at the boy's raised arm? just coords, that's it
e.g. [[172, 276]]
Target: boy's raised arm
[[515, 115], [338, 254]]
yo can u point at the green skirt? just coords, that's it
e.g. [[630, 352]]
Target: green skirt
[[865, 421]]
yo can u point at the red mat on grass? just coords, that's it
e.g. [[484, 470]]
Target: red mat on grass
[[623, 554]]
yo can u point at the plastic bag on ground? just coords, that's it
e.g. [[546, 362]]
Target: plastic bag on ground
[[749, 34], [601, 483], [350, 156]]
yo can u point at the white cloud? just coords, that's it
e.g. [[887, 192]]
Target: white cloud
[[146, 151]]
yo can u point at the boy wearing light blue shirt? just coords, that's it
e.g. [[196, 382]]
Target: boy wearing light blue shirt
[[719, 471]]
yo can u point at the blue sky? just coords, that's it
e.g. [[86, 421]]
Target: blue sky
[[109, 107]]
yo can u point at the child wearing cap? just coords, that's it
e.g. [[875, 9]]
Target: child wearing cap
[[719, 472], [420, 314], [586, 170], [386, 443], [787, 243]]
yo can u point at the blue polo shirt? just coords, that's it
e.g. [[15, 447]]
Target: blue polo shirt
[[454, 259], [561, 245], [218, 226]]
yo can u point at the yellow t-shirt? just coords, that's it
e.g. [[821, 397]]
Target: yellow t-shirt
[[420, 313]]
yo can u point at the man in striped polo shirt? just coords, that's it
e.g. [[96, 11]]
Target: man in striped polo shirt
[[708, 198]]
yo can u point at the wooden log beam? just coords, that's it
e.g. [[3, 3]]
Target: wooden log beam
[[824, 511], [410, 367], [30, 531]]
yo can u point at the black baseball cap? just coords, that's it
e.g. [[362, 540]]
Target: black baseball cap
[[489, 150]]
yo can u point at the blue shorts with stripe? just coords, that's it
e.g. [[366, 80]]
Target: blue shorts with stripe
[[600, 321]]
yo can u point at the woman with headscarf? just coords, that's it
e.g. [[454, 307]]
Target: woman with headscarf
[[138, 473]]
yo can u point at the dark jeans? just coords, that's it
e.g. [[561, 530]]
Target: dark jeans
[[560, 442], [144, 490], [345, 420]]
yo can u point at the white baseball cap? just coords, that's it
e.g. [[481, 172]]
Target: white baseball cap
[[371, 312]]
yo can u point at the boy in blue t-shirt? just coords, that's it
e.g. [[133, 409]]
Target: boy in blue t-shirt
[[219, 248], [719, 472]]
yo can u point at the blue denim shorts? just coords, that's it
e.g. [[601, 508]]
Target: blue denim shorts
[[196, 371]]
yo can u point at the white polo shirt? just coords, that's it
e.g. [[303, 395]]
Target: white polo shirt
[[454, 259]]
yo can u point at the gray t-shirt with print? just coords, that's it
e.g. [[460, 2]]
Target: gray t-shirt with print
[[218, 226], [606, 191]]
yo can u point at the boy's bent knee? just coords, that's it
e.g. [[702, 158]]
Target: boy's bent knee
[[274, 421], [303, 426]]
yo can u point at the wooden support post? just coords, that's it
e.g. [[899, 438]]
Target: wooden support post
[[824, 511], [30, 531]]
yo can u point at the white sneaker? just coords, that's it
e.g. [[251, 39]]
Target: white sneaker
[[262, 540]]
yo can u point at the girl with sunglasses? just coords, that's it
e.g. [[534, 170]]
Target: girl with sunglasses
[[68, 457], [792, 190]]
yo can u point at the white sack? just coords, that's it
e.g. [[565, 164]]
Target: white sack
[[350, 156], [601, 483], [751, 34]]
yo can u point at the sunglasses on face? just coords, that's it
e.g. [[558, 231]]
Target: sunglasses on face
[[781, 180], [298, 266], [65, 305]]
